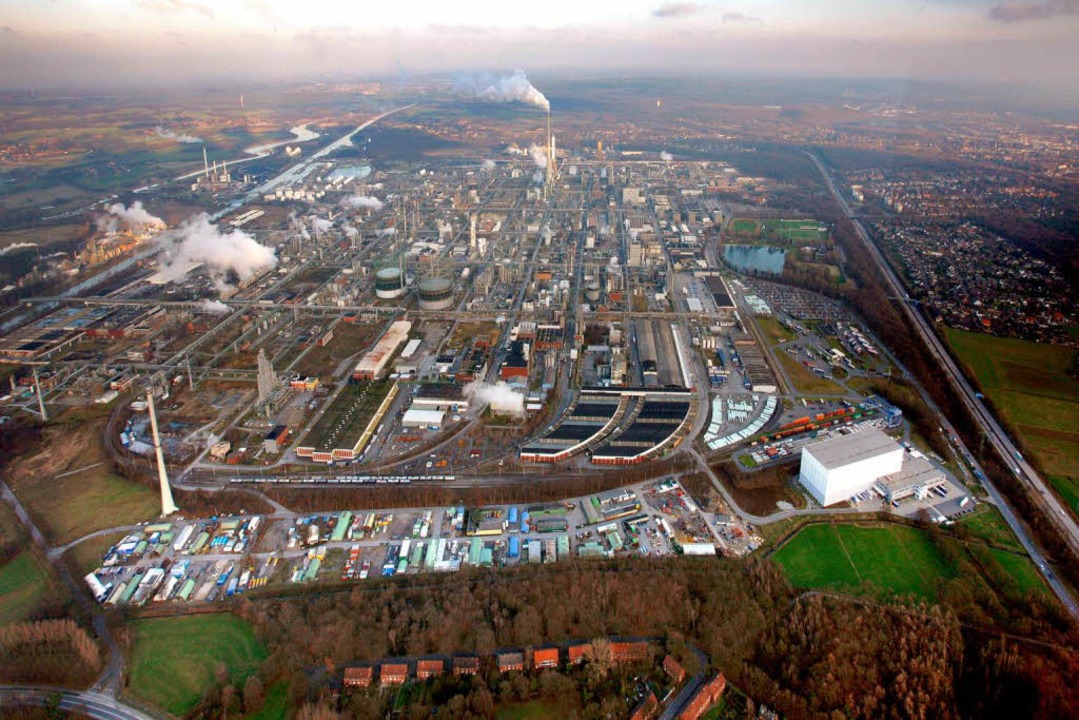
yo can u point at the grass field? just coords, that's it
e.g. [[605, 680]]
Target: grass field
[[779, 231], [86, 556], [70, 507], [173, 659], [807, 382], [1029, 386], [773, 331], [24, 581], [986, 523], [895, 559]]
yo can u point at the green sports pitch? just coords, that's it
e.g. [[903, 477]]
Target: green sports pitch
[[779, 231]]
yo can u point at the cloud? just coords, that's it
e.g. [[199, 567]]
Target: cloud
[[507, 88], [176, 6], [501, 398], [739, 17], [678, 9], [135, 217], [1024, 11]]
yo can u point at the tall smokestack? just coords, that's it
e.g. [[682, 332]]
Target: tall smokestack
[[241, 102], [205, 161], [168, 507], [40, 399]]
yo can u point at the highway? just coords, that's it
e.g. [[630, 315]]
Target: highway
[[987, 424]]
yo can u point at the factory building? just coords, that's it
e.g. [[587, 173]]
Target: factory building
[[839, 468], [419, 418], [374, 362], [518, 361]]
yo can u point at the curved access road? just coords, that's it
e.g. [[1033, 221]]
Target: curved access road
[[96, 705]]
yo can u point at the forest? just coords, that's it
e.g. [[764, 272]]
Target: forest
[[806, 655]]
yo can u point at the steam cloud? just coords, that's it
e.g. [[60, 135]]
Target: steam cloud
[[322, 225], [214, 306], [499, 397], [539, 155], [197, 240], [178, 137], [363, 201], [508, 88], [488, 165], [17, 246], [135, 217], [666, 156]]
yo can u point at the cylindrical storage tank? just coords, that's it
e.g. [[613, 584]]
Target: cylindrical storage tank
[[592, 292], [389, 283], [435, 293]]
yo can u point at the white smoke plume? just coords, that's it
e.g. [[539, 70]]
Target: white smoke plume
[[17, 246], [387, 232], [537, 177], [178, 137], [135, 217], [488, 165], [351, 232], [508, 88], [572, 169], [666, 156], [500, 397], [539, 155], [321, 225], [362, 201], [214, 306], [197, 240]]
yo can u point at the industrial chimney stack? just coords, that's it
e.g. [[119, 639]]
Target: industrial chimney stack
[[168, 507]]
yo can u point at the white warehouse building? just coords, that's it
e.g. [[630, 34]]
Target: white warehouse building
[[836, 469]]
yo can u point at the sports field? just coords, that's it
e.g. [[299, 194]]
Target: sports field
[[173, 659], [779, 231], [1029, 386]]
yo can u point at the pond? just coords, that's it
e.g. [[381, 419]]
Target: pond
[[755, 258]]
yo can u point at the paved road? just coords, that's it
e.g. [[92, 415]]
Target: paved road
[[985, 420], [89, 703]]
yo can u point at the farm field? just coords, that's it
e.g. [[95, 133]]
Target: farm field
[[173, 659], [1029, 387]]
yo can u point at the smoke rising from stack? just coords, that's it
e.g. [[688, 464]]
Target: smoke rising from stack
[[506, 89], [214, 306], [362, 201], [666, 156], [488, 165], [539, 155], [178, 137], [321, 225], [500, 397], [135, 217], [198, 240]]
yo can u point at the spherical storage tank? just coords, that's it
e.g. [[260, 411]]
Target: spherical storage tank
[[389, 283], [435, 293]]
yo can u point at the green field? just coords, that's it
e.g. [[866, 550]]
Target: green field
[[173, 659], [894, 559], [773, 230], [897, 559], [535, 710], [24, 581], [1028, 385], [986, 523]]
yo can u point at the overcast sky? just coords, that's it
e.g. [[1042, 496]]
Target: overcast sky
[[47, 43]]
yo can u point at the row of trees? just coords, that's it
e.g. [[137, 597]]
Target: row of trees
[[55, 652]]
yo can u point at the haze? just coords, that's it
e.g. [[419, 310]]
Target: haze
[[120, 42]]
